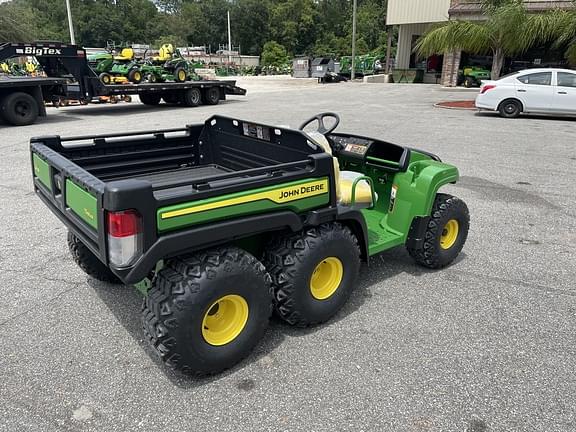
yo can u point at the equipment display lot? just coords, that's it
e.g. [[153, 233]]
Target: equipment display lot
[[488, 344]]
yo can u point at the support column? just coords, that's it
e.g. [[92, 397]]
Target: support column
[[450, 69]]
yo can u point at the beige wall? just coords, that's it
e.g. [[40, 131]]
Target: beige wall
[[417, 11], [405, 34]]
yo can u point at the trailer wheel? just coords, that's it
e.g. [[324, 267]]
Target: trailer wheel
[[105, 78], [191, 97], [207, 311], [171, 98], [211, 96], [88, 262], [445, 235], [313, 273], [19, 109], [150, 98], [180, 74]]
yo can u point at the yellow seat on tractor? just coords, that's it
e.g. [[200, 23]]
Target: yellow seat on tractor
[[164, 53], [125, 55], [345, 180]]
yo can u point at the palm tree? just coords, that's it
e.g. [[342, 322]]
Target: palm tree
[[566, 33], [508, 30]]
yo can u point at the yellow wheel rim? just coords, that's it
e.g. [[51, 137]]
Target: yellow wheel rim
[[224, 320], [449, 234], [181, 75], [326, 278]]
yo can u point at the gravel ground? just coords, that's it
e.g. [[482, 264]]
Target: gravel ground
[[488, 344]]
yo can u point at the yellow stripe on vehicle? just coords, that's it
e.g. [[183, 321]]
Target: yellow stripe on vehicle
[[279, 196]]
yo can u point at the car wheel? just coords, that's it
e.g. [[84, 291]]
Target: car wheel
[[510, 108]]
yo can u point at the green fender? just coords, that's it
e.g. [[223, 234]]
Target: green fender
[[415, 192]]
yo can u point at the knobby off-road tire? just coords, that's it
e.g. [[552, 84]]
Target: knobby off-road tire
[[88, 262], [296, 263], [441, 247], [184, 298]]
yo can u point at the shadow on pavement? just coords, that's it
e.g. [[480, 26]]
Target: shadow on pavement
[[557, 117], [126, 302]]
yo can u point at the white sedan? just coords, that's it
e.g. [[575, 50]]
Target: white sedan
[[549, 91]]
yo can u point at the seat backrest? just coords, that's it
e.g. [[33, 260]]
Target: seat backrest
[[127, 53], [166, 51], [321, 140]]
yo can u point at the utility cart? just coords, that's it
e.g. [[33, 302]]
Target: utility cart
[[217, 224]]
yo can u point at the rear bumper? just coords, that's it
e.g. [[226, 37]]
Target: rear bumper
[[485, 105]]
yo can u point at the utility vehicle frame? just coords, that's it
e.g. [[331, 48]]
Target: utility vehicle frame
[[219, 223]]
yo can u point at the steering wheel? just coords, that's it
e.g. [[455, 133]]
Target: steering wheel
[[320, 119]]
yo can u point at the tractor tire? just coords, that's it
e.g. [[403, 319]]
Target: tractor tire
[[191, 97], [180, 74], [313, 273], [150, 98], [207, 311], [510, 108], [151, 78], [135, 76], [445, 235], [211, 96], [88, 262], [469, 82], [127, 98], [105, 78], [19, 109]]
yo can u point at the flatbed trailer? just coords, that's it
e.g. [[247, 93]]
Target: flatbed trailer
[[69, 76]]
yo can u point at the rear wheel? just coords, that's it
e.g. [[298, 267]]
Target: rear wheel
[[445, 234], [88, 262], [510, 108], [150, 98], [211, 96], [135, 76], [207, 311], [19, 109], [191, 97], [313, 273], [171, 98]]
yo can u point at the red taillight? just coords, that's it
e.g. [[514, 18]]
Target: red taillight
[[124, 223], [486, 88]]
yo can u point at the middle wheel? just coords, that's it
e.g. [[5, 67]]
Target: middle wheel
[[313, 272]]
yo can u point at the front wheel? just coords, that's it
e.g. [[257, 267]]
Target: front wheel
[[19, 109], [445, 235], [510, 108], [313, 272], [207, 311]]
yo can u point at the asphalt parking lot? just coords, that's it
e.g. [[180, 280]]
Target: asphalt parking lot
[[488, 344]]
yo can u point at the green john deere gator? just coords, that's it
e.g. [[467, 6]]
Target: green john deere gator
[[218, 224]]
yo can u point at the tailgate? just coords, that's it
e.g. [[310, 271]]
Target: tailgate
[[73, 194]]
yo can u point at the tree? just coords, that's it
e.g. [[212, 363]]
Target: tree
[[566, 33], [508, 30], [274, 54]]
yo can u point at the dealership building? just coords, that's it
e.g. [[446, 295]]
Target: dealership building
[[414, 17]]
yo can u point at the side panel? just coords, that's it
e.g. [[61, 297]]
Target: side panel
[[42, 171], [82, 203], [295, 196]]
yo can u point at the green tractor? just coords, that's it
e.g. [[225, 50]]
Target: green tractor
[[219, 226], [472, 76], [116, 69], [169, 65]]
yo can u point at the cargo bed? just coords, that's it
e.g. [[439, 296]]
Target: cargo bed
[[174, 177]]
